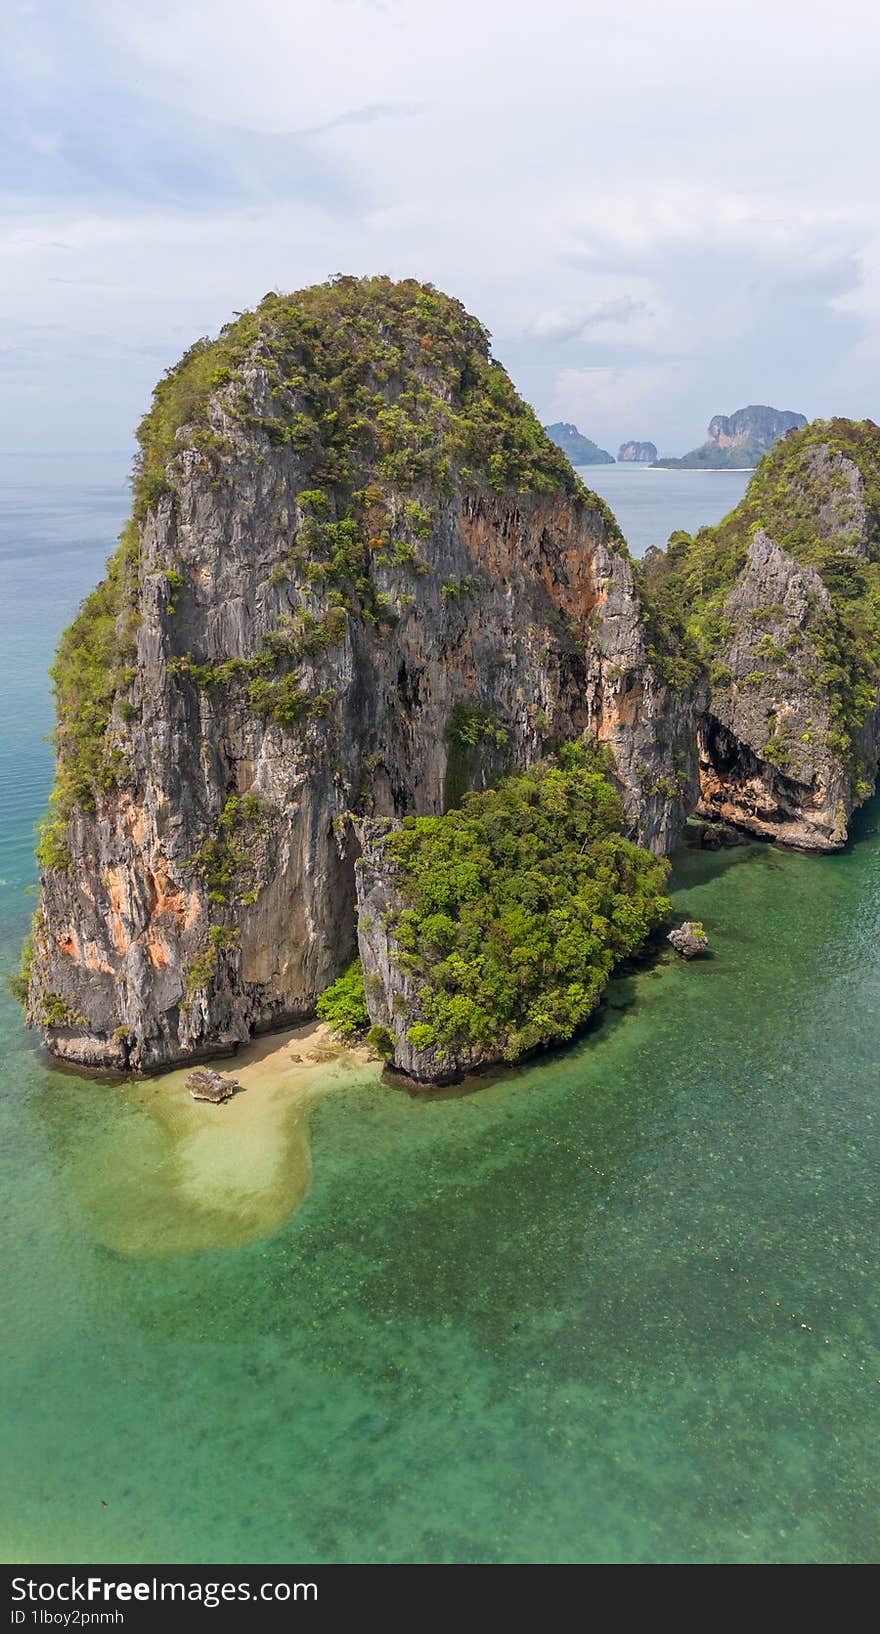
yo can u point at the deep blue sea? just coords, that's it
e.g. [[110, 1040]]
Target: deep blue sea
[[619, 1305]]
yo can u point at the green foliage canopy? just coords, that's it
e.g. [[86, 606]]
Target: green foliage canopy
[[343, 1004], [518, 906]]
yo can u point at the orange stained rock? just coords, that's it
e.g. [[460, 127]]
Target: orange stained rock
[[93, 959], [115, 885], [163, 895], [624, 710], [494, 536], [157, 952]]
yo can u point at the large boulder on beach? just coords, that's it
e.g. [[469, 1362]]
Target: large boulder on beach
[[205, 1084]]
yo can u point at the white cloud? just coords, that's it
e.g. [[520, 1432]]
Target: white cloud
[[616, 314], [658, 211]]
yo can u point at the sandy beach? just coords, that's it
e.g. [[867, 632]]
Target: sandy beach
[[166, 1174]]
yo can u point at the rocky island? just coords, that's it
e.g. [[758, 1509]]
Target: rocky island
[[782, 603], [374, 717], [635, 453], [359, 581], [575, 446], [738, 440]]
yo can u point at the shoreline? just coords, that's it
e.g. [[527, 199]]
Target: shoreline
[[697, 470], [165, 1174], [292, 1052], [313, 1037]]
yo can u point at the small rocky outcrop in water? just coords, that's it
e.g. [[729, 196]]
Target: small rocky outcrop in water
[[781, 598], [635, 453], [689, 939], [359, 580], [739, 439], [207, 1085]]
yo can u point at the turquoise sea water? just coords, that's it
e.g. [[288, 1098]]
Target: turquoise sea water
[[619, 1305]]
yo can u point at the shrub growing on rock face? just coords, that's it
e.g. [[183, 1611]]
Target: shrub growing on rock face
[[518, 906], [343, 1005], [382, 1041]]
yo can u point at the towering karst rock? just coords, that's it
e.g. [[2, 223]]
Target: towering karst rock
[[783, 599], [359, 579], [739, 439], [636, 453]]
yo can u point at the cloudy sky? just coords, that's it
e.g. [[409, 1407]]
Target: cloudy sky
[[660, 211]]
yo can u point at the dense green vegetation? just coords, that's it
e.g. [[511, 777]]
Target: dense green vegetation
[[343, 1004], [579, 449], [362, 371], [711, 457], [519, 904], [469, 726], [795, 497]]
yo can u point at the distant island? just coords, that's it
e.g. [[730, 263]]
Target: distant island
[[633, 453], [739, 440], [580, 450]]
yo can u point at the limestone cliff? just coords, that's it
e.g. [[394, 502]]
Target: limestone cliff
[[784, 597], [756, 424], [765, 756], [636, 453], [359, 580]]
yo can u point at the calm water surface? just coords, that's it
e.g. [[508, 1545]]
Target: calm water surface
[[650, 505], [617, 1306]]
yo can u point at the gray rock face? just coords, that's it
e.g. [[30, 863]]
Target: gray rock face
[[842, 513], [769, 760], [756, 424], [519, 609], [634, 453]]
